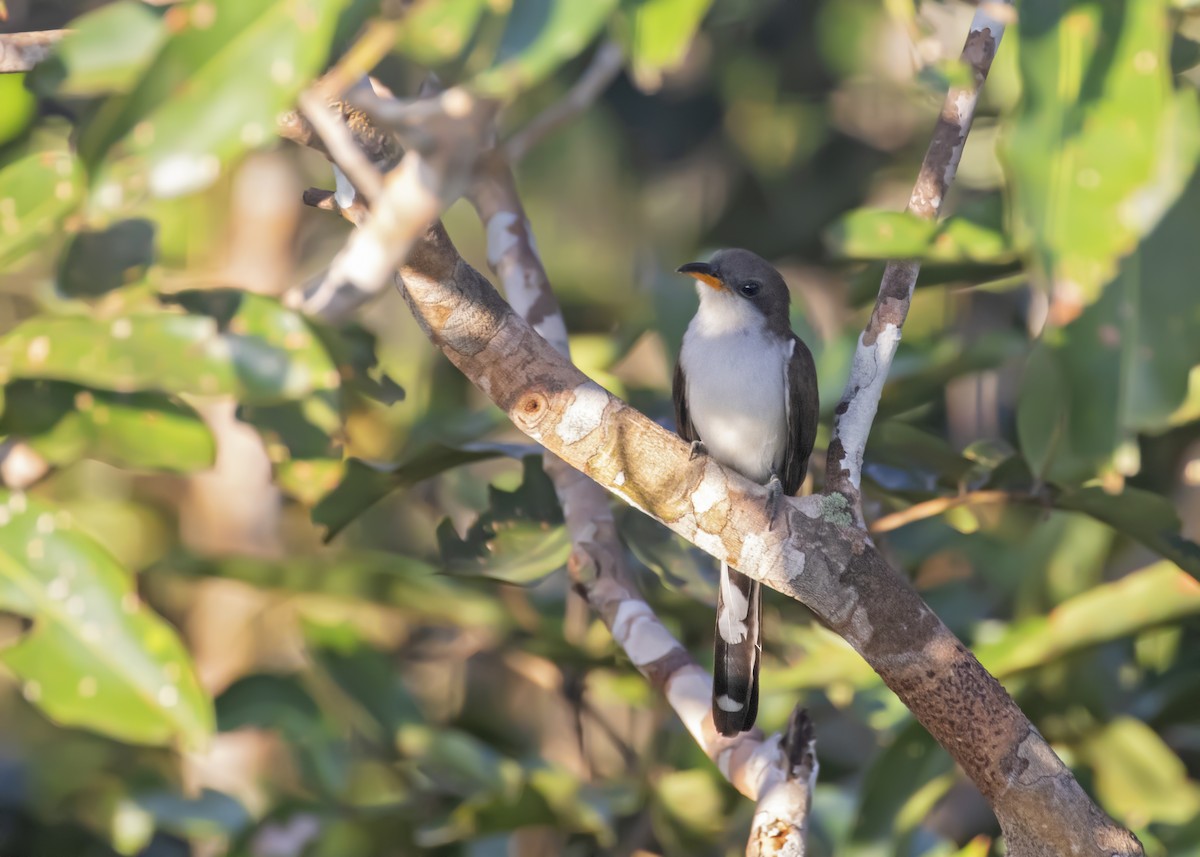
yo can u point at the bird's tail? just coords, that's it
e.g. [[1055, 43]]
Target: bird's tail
[[738, 650]]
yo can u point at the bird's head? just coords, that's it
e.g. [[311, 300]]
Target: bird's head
[[735, 281]]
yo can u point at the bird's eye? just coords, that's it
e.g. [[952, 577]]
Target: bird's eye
[[750, 288]]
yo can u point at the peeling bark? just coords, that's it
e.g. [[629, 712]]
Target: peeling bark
[[877, 346], [815, 552], [20, 52]]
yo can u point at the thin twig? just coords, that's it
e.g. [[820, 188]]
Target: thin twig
[[938, 505], [20, 52], [855, 413], [340, 145], [605, 65]]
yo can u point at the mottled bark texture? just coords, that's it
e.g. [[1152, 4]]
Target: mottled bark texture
[[757, 767], [877, 346], [20, 52], [815, 552]]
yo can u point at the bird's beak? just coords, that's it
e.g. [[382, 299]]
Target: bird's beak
[[703, 272]]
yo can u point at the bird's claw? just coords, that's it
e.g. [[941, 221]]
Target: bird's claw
[[698, 448], [774, 493]]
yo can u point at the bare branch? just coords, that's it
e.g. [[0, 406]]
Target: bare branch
[[22, 51], [781, 820], [597, 563], [877, 345], [815, 552], [591, 85], [939, 505], [432, 174], [349, 159]]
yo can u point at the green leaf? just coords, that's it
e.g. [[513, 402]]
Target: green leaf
[[1122, 366], [105, 51], [909, 763], [1157, 595], [20, 107], [1102, 143], [192, 111], [98, 262], [405, 583], [39, 186], [876, 234], [149, 431], [519, 539], [656, 35], [234, 343], [1042, 409], [436, 33], [95, 656], [539, 37], [209, 814], [1138, 778], [303, 440], [366, 483], [1147, 517], [679, 564]]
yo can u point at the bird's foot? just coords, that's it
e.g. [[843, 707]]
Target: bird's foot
[[774, 493], [698, 448]]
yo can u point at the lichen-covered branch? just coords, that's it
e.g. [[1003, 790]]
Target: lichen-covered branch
[[758, 768], [855, 412], [20, 52], [780, 823], [815, 552], [432, 174]]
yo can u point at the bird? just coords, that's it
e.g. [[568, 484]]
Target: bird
[[745, 394]]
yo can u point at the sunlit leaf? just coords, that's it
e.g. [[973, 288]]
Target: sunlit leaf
[[39, 186], [1144, 599], [192, 111], [1139, 779], [1122, 366], [1102, 143], [657, 33], [149, 431], [235, 343], [435, 33], [887, 234], [95, 656], [106, 51], [20, 107], [540, 36]]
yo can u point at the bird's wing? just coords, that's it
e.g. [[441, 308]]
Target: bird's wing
[[803, 408], [683, 422]]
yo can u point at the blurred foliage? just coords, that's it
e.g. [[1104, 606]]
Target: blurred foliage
[[276, 588]]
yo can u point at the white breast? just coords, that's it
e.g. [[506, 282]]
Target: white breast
[[736, 390]]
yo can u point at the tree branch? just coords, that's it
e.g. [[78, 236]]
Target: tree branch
[[605, 66], [762, 769], [777, 772], [855, 412], [20, 52], [817, 550]]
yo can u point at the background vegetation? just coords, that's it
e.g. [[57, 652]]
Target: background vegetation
[[279, 589]]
